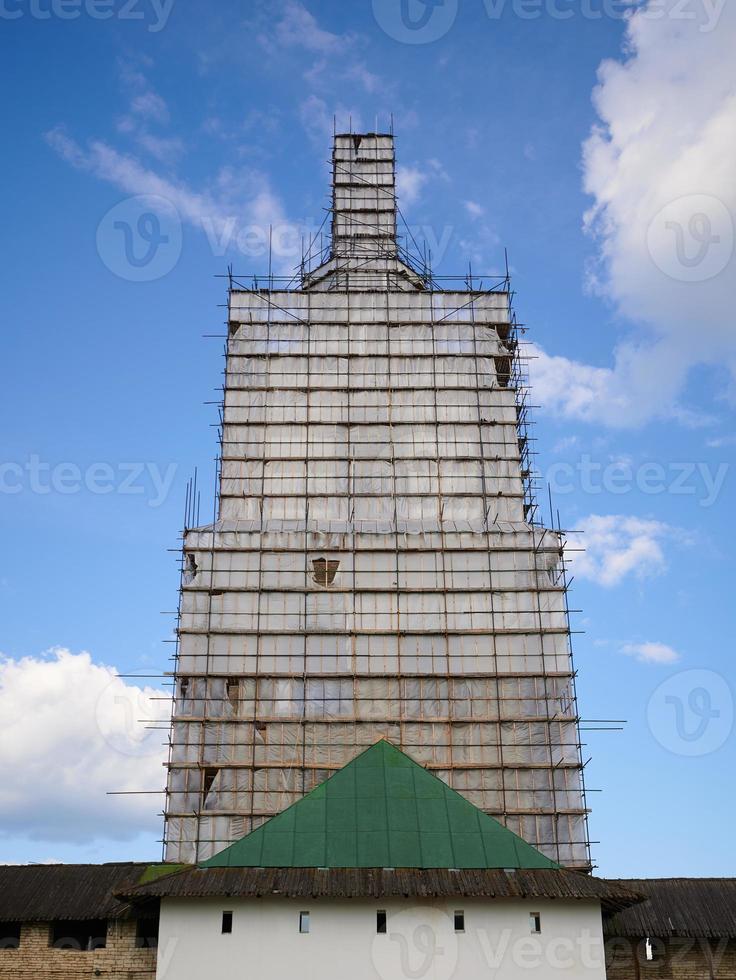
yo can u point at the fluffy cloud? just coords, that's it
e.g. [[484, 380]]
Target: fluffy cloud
[[474, 209], [296, 27], [409, 183], [235, 210], [150, 105], [659, 166], [213, 207], [629, 394], [651, 653], [72, 730], [320, 120], [616, 547], [146, 109]]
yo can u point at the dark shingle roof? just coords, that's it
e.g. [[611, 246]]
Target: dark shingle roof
[[693, 908], [383, 883], [44, 892]]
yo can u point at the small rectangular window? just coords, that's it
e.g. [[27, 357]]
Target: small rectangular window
[[324, 572], [304, 922], [232, 686], [535, 923], [459, 921], [227, 923], [208, 780], [381, 921]]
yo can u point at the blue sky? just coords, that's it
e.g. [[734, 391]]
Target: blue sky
[[597, 149]]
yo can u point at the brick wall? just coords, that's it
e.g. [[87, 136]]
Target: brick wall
[[120, 960], [674, 959]]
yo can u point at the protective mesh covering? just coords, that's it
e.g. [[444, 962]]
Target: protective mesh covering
[[375, 570]]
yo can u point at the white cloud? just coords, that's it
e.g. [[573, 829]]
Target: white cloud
[[651, 653], [126, 173], [236, 208], [320, 121], [636, 390], [233, 201], [72, 730], [616, 547], [150, 105], [335, 74], [298, 28], [146, 109], [474, 209], [367, 79], [659, 166], [163, 148], [565, 444], [720, 442], [409, 183]]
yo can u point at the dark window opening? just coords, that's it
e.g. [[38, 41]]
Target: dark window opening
[[9, 935], [208, 779], [146, 933], [232, 686], [227, 923], [503, 371], [324, 571], [190, 568], [304, 922], [381, 922], [535, 923], [459, 922], [184, 684], [82, 936]]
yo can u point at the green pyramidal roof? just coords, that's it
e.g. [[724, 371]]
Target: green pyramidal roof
[[382, 810]]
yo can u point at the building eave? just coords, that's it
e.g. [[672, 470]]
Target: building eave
[[382, 883]]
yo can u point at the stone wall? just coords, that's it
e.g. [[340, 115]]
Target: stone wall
[[119, 960], [673, 959]]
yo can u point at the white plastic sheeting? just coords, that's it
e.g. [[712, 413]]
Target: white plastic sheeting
[[376, 429]]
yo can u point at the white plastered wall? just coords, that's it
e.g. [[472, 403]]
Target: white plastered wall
[[420, 940]]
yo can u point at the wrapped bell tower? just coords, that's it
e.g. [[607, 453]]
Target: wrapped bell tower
[[376, 569]]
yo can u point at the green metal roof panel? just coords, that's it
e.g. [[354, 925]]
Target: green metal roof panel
[[382, 810]]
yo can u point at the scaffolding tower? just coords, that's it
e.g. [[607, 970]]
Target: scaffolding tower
[[376, 567]]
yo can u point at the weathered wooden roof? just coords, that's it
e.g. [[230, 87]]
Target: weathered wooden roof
[[693, 908], [45, 892], [384, 883]]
